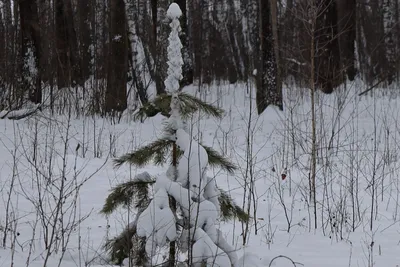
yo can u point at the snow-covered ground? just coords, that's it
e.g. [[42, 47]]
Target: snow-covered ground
[[358, 211]]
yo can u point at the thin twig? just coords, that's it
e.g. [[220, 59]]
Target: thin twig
[[285, 257]]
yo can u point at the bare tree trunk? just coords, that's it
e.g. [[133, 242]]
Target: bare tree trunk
[[327, 53], [196, 9], [287, 35], [390, 27], [268, 93], [135, 67], [397, 40], [313, 193], [347, 36], [158, 10], [116, 93], [372, 39], [154, 15], [223, 55], [30, 50], [10, 10], [85, 38], [187, 69], [274, 20], [3, 65], [68, 71]]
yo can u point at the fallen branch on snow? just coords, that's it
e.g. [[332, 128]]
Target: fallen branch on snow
[[19, 113]]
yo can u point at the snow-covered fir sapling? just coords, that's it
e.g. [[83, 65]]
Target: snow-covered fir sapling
[[177, 212]]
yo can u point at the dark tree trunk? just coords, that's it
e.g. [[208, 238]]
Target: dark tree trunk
[[2, 56], [154, 13], [68, 71], [327, 52], [187, 69], [10, 50], [62, 53], [221, 45], [116, 93], [234, 44], [268, 90], [390, 30], [85, 40], [73, 44], [47, 40], [160, 54], [372, 39], [287, 37], [30, 50], [195, 37], [157, 46], [347, 36], [253, 35], [397, 40]]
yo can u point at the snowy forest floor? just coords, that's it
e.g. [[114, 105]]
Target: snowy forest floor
[[358, 189]]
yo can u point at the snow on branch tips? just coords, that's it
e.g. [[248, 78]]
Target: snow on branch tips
[[175, 61]]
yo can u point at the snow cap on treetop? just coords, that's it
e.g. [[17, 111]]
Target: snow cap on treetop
[[174, 11]]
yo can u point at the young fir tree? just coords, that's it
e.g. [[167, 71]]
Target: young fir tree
[[185, 205]]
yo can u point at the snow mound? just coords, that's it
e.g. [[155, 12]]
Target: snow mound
[[251, 259], [157, 222], [205, 249], [211, 192], [200, 213], [192, 166]]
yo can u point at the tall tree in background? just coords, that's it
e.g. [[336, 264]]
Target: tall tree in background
[[221, 42], [10, 10], [389, 21], [252, 35], [347, 36], [371, 39], [116, 96], [327, 52], [397, 40], [268, 90], [274, 24], [136, 67], [30, 50], [221, 55], [68, 70], [196, 10], [85, 38], [159, 52], [47, 41], [2, 52], [187, 69]]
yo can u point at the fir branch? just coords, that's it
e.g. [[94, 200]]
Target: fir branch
[[146, 111], [229, 209], [144, 155], [125, 194], [189, 105], [161, 104], [125, 244], [216, 160], [158, 150], [118, 248], [192, 104]]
